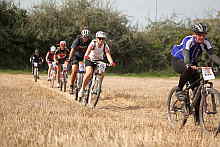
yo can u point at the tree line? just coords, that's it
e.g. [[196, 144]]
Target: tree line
[[22, 31]]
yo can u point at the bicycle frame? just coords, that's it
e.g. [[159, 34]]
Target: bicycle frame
[[63, 77], [53, 73], [96, 83]]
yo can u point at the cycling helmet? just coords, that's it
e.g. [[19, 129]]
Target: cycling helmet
[[36, 51], [52, 48], [85, 33], [100, 34], [62, 43], [200, 28]]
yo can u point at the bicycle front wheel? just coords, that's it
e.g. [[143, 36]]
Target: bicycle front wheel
[[52, 78], [35, 74], [209, 111], [95, 91], [176, 110]]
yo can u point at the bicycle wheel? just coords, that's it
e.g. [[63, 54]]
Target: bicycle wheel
[[35, 74], [94, 91], [78, 84], [61, 85], [176, 110], [64, 86], [52, 78], [209, 111]]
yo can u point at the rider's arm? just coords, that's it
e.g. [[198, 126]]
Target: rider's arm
[[73, 47], [186, 56], [213, 57], [72, 52], [47, 56], [210, 53], [109, 57], [108, 54], [31, 59]]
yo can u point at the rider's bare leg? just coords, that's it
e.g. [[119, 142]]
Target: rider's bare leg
[[75, 68], [87, 76]]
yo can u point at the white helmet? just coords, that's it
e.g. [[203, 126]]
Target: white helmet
[[52, 48], [101, 34], [85, 32], [62, 43]]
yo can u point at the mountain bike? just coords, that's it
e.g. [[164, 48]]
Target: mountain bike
[[63, 77], [95, 85], [36, 71], [53, 74], [204, 96]]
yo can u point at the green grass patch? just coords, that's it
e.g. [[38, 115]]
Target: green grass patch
[[11, 71], [162, 74]]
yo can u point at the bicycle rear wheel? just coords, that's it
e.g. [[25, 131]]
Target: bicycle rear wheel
[[209, 111], [176, 110], [95, 91]]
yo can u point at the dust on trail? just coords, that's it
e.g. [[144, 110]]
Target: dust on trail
[[131, 112]]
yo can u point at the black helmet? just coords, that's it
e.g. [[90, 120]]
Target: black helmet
[[200, 28]]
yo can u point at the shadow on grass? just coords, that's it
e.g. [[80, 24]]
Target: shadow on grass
[[120, 108]]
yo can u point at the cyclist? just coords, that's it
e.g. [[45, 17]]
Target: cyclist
[[60, 57], [50, 59], [36, 58], [96, 50], [185, 58], [78, 49]]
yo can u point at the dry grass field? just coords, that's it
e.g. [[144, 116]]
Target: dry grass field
[[131, 113]]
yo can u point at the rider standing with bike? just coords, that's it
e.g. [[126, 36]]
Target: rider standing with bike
[[78, 50], [96, 50], [185, 58], [61, 56], [50, 59]]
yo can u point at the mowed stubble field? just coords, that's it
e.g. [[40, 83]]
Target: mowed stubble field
[[131, 113]]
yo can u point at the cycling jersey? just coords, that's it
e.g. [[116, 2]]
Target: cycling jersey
[[50, 56], [62, 55], [195, 49], [97, 53], [36, 58], [80, 46]]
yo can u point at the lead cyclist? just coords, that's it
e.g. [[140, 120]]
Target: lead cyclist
[[185, 58], [96, 50]]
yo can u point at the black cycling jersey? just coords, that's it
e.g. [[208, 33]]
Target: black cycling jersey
[[36, 58], [62, 55], [80, 46]]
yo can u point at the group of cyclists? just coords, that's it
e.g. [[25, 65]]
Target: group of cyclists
[[84, 50]]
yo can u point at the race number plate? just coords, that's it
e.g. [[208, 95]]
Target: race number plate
[[207, 73], [81, 67], [101, 67], [35, 64]]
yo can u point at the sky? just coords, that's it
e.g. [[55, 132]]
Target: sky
[[139, 11]]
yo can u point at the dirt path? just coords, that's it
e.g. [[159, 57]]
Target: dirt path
[[131, 112]]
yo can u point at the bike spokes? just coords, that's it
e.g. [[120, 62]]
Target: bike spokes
[[210, 111], [177, 112]]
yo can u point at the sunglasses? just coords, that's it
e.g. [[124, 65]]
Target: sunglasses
[[101, 38]]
